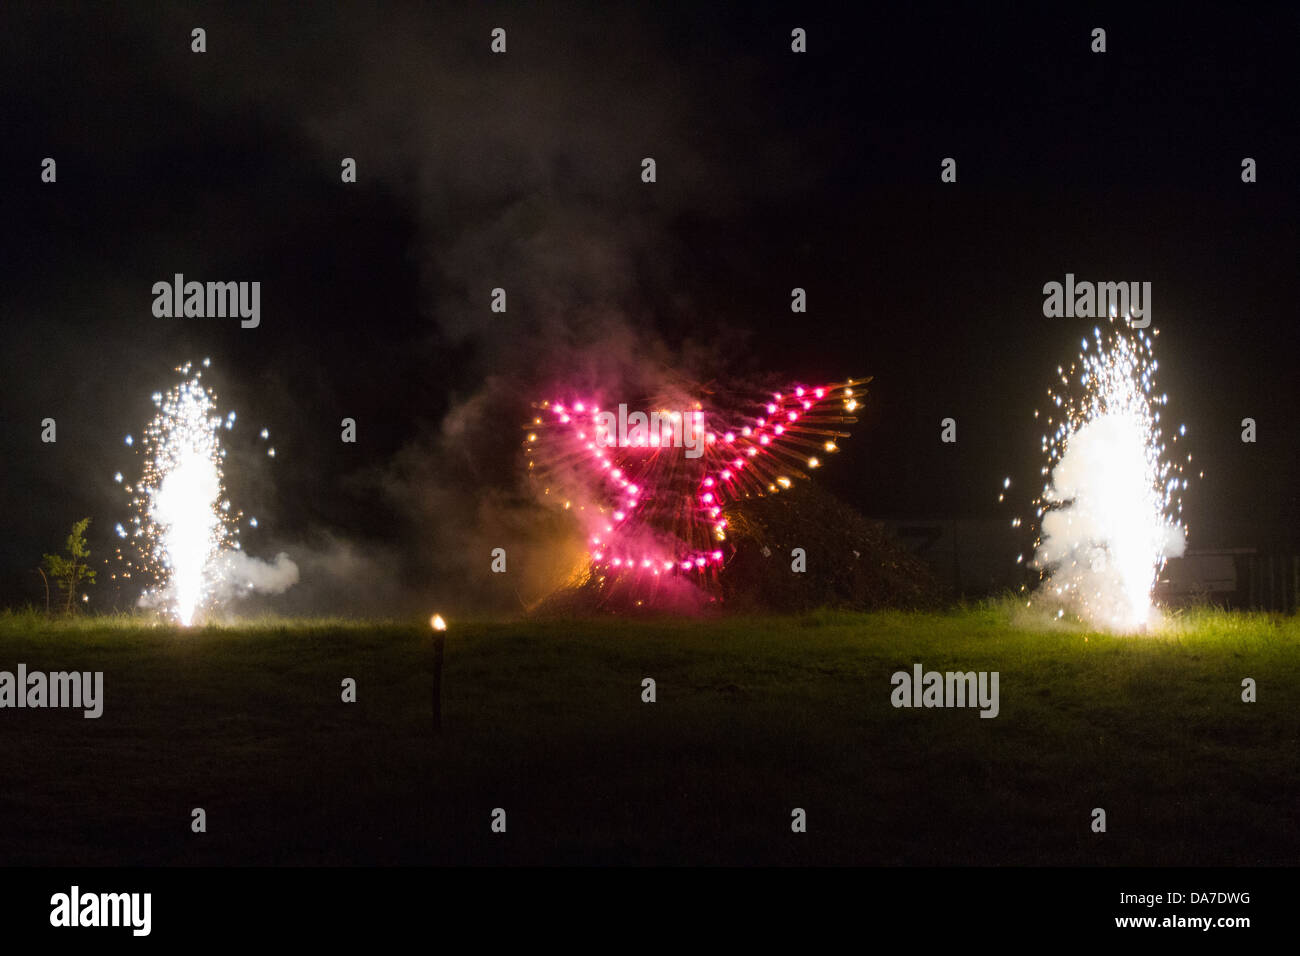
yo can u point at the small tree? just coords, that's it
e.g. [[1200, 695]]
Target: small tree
[[71, 569]]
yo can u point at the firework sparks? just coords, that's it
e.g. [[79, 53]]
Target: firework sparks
[[185, 531], [648, 509], [179, 498], [1110, 510]]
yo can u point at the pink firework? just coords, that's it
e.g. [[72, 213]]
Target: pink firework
[[651, 484]]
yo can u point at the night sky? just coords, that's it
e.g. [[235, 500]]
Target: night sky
[[522, 170]]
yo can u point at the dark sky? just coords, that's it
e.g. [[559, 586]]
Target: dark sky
[[521, 170]]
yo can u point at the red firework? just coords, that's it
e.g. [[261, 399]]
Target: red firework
[[651, 484]]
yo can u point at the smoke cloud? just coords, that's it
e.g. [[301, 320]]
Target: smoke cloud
[[240, 574], [1106, 536]]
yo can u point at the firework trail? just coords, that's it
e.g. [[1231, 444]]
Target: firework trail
[[186, 535], [651, 488], [1110, 510]]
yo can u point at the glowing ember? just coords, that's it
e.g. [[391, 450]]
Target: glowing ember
[[1109, 514]]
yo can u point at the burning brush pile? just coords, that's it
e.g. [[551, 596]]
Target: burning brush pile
[[849, 561]]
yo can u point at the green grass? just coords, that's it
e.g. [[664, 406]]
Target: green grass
[[754, 716]]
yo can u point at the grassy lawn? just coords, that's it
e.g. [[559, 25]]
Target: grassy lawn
[[754, 717]]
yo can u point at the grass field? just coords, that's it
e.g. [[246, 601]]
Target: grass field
[[753, 718]]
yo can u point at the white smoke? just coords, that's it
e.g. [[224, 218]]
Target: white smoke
[[231, 575], [1106, 536], [238, 574]]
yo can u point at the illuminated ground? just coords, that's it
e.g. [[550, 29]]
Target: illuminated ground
[[754, 717]]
